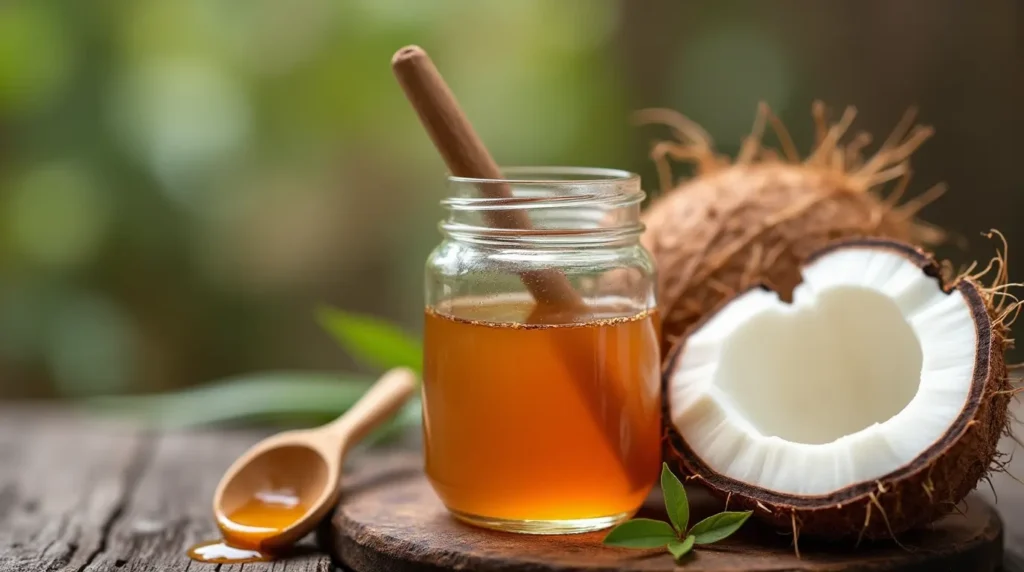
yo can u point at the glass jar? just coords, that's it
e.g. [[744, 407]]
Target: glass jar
[[541, 361]]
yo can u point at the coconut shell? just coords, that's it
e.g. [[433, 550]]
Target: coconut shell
[[918, 493], [757, 219]]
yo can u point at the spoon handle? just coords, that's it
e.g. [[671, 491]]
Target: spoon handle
[[383, 400]]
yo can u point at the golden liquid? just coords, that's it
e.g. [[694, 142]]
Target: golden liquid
[[220, 552], [246, 527], [541, 422]]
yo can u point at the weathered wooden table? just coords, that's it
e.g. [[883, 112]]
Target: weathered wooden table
[[79, 495]]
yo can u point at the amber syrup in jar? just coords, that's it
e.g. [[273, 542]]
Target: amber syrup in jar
[[544, 426]]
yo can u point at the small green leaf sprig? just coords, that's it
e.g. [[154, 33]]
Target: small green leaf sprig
[[648, 533]]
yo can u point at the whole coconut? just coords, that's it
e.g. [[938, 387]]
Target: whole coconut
[[756, 219]]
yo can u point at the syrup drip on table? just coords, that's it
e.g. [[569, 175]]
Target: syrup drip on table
[[220, 552], [245, 528]]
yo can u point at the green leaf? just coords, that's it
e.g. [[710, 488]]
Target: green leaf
[[718, 526], [676, 504], [681, 548], [372, 341], [304, 397], [641, 533]]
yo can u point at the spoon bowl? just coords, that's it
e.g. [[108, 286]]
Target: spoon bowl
[[271, 493], [283, 486]]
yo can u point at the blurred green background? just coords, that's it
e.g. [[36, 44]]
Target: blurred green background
[[183, 181]]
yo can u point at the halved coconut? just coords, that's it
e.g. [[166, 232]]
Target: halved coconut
[[870, 404]]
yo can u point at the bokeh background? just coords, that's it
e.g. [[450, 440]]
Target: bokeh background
[[183, 181]]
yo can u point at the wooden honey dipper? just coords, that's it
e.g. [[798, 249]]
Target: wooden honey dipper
[[466, 156]]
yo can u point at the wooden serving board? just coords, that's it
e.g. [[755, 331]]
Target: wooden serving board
[[389, 520]]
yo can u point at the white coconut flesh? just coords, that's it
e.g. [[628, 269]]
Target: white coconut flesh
[[868, 366]]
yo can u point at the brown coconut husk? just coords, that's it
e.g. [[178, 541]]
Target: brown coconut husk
[[757, 218], [938, 481]]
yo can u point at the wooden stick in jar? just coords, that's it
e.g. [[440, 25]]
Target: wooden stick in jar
[[466, 156]]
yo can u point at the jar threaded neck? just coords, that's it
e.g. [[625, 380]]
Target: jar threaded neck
[[561, 207]]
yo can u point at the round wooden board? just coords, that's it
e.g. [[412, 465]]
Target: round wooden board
[[389, 520]]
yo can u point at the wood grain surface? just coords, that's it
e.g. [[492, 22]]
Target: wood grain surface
[[391, 521], [79, 495]]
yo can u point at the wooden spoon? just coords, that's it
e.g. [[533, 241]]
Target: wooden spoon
[[283, 486]]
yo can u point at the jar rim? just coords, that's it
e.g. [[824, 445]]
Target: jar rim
[[555, 175], [579, 207]]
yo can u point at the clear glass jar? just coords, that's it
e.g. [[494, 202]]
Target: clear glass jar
[[541, 359]]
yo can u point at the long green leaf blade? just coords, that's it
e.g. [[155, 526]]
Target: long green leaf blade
[[307, 397], [372, 341], [718, 527], [676, 503], [641, 533]]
